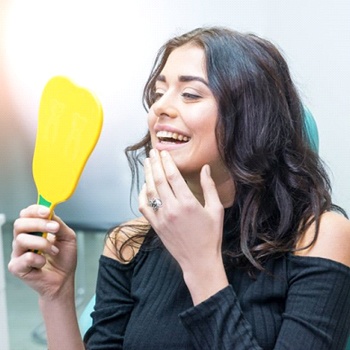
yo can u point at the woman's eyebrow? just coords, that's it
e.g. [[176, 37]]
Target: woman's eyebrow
[[184, 79]]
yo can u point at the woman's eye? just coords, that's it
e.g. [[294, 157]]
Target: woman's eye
[[190, 96], [157, 95]]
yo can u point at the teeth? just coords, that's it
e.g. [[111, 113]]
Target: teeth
[[172, 135]]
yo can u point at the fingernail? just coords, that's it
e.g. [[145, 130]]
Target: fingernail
[[54, 250], [152, 152], [43, 211], [164, 154], [207, 169], [52, 226]]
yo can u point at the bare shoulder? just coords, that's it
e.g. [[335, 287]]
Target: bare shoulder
[[124, 242], [333, 241]]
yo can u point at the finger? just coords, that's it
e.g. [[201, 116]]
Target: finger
[[35, 218], [151, 190], [174, 177], [27, 242], [23, 265], [38, 212], [143, 200], [65, 233], [210, 193], [35, 210], [34, 224], [160, 178]]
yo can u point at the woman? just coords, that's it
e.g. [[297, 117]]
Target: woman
[[239, 245]]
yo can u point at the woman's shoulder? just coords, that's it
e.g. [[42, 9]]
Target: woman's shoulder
[[333, 240], [124, 242]]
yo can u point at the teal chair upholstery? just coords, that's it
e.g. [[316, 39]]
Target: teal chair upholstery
[[311, 129], [85, 320]]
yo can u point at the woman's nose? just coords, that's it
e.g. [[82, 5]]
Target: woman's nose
[[165, 107]]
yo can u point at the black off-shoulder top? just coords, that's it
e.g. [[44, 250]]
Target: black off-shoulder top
[[298, 303]]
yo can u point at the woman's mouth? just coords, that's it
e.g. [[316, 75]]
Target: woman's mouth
[[171, 137]]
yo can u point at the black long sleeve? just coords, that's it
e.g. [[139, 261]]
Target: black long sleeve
[[316, 313], [113, 306]]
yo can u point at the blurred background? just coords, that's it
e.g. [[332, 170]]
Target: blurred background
[[109, 47]]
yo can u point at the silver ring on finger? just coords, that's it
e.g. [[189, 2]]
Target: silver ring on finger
[[155, 203]]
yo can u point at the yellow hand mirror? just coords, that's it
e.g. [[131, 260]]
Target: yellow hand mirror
[[69, 125]]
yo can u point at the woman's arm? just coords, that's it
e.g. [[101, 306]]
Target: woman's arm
[[317, 304], [192, 233], [114, 302], [190, 230], [61, 322], [50, 274]]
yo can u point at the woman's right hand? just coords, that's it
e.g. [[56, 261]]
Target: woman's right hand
[[50, 273]]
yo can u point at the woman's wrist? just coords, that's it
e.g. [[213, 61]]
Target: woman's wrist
[[62, 294], [60, 317], [204, 281]]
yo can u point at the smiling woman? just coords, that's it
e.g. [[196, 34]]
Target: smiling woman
[[184, 104], [238, 228]]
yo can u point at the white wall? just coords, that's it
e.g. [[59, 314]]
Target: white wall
[[315, 35], [109, 47]]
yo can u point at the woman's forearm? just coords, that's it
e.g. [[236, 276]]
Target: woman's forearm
[[61, 322], [205, 280]]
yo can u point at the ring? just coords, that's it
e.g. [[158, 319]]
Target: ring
[[155, 203]]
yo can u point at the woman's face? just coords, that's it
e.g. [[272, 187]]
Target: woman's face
[[182, 120]]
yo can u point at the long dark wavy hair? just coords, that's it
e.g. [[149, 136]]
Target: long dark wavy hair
[[281, 185]]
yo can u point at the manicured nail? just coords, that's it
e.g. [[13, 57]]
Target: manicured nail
[[43, 211], [54, 250], [207, 169], [164, 154], [52, 226]]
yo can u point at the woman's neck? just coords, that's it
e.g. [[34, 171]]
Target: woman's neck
[[224, 186]]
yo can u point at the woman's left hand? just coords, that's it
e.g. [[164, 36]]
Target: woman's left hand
[[191, 232]]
